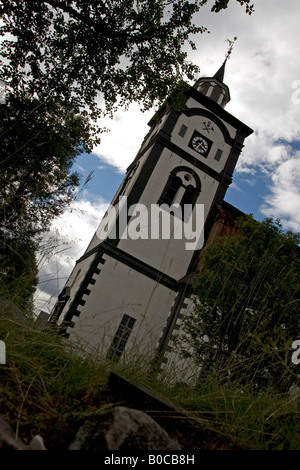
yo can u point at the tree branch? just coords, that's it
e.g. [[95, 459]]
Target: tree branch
[[99, 26]]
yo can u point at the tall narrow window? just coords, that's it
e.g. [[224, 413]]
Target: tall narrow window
[[172, 190], [218, 155], [189, 196], [182, 130], [121, 337]]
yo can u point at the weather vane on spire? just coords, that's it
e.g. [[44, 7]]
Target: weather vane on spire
[[231, 44]]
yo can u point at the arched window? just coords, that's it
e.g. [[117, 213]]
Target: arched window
[[183, 187]]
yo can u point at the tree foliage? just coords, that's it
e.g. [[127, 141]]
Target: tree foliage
[[39, 142], [19, 272], [117, 51], [247, 295]]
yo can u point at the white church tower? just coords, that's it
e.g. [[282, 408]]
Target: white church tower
[[124, 293]]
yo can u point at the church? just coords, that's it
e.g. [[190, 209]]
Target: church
[[126, 296]]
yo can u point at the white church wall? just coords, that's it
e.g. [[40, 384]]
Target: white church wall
[[192, 103], [122, 290], [115, 202], [74, 282]]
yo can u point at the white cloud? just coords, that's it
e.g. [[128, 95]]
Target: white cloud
[[236, 187], [126, 131], [65, 243], [284, 199]]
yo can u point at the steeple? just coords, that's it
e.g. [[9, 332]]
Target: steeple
[[214, 87], [219, 75]]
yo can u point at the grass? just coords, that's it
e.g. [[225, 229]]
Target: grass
[[44, 385], [47, 388]]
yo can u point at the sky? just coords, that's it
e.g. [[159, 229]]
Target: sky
[[263, 75]]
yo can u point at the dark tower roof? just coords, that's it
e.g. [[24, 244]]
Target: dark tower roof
[[219, 75]]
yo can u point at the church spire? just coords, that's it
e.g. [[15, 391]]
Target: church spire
[[214, 87], [219, 75]]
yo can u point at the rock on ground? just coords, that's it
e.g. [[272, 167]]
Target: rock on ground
[[9, 441], [123, 429]]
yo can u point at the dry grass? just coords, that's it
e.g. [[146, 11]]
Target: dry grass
[[47, 388]]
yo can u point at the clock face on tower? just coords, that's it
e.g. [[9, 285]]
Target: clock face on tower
[[200, 144]]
